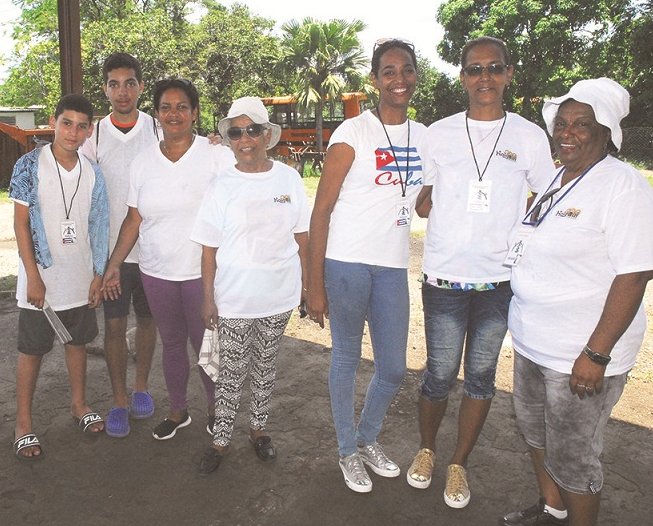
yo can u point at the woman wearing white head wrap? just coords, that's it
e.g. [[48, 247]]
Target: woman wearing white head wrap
[[581, 262]]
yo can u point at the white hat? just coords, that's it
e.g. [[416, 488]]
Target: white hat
[[609, 100], [253, 108]]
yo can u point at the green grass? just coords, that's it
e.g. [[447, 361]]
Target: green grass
[[4, 196], [8, 283], [311, 179], [310, 185]]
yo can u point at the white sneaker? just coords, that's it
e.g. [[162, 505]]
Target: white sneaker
[[356, 476], [377, 460]]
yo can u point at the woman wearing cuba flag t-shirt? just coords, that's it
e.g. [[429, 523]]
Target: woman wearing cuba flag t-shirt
[[358, 256]]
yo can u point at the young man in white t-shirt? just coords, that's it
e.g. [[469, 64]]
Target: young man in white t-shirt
[[61, 220], [118, 139]]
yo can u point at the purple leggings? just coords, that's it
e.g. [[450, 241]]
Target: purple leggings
[[175, 307]]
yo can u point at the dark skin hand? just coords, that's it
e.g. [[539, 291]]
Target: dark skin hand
[[621, 305]]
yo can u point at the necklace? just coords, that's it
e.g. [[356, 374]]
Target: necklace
[[67, 208], [403, 183], [471, 145], [167, 152]]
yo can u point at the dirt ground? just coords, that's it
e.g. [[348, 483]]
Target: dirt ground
[[141, 481]]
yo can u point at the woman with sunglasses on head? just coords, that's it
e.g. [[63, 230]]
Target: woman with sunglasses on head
[[358, 256], [576, 319], [167, 184], [253, 228], [479, 167]]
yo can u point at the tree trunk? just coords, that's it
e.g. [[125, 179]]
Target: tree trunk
[[318, 124]]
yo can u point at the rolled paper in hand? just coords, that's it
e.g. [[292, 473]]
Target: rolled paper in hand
[[57, 325]]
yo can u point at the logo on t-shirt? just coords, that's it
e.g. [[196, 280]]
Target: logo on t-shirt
[[283, 198], [507, 154], [570, 212], [404, 161]]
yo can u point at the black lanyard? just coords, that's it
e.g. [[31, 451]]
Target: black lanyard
[[480, 175], [402, 183], [63, 193]]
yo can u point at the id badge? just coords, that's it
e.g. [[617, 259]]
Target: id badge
[[68, 233], [403, 213], [478, 200], [518, 247]]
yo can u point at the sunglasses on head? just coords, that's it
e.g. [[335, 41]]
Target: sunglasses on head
[[385, 41], [476, 70], [253, 130]]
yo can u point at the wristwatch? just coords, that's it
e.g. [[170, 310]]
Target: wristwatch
[[601, 359]]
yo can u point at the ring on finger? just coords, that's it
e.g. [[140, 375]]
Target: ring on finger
[[588, 388]]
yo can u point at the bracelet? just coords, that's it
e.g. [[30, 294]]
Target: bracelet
[[598, 358]]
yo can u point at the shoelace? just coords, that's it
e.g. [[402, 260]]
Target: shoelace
[[355, 467], [376, 452], [456, 485], [422, 465]]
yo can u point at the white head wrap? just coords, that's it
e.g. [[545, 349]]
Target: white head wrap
[[609, 100]]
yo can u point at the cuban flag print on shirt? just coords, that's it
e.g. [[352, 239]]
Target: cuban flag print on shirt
[[386, 165]]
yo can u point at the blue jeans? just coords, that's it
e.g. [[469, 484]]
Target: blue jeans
[[453, 318], [359, 292]]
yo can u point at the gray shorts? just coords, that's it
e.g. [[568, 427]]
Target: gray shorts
[[569, 429]]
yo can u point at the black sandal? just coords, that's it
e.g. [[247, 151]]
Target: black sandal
[[210, 420], [264, 448], [210, 460]]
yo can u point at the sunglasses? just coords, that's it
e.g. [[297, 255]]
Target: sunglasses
[[541, 208], [253, 130], [385, 41], [476, 70]]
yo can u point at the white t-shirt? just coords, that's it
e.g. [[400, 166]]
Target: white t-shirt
[[168, 196], [370, 222], [114, 151], [252, 218], [600, 229], [68, 280], [471, 246]]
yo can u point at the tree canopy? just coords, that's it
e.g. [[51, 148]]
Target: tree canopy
[[230, 52], [323, 59], [554, 43]]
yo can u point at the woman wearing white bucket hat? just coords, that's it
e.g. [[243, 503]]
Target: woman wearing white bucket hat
[[253, 228], [581, 261]]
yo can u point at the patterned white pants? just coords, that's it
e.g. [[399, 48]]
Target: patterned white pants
[[246, 345]]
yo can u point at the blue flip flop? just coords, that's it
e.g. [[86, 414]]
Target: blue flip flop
[[117, 423]]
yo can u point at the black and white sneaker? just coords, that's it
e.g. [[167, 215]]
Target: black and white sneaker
[[168, 428]]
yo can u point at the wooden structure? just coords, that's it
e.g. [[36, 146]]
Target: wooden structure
[[297, 143], [14, 141]]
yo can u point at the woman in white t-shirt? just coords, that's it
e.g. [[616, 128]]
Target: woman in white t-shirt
[[576, 319], [359, 240], [167, 183], [253, 230], [479, 166]]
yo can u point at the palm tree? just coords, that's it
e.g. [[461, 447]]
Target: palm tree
[[323, 58]]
